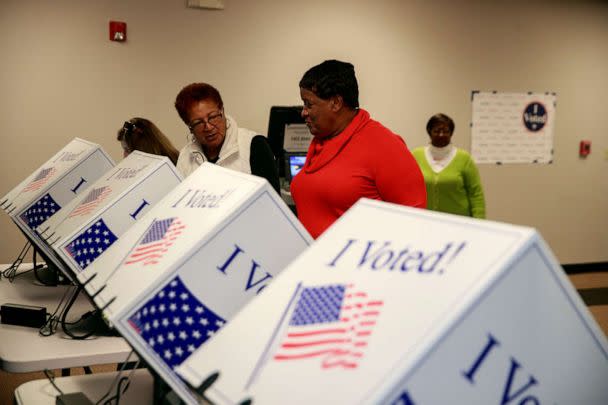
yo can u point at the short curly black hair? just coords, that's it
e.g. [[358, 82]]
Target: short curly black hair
[[440, 119], [333, 78]]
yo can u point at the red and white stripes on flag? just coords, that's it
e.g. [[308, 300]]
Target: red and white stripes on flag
[[91, 201], [156, 242], [332, 323], [40, 180]]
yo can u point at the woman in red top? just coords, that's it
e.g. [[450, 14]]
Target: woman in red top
[[351, 155]]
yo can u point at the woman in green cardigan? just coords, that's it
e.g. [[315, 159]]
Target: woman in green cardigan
[[450, 174]]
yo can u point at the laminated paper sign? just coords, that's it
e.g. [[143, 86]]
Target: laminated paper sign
[[396, 305], [513, 127], [89, 225], [181, 272], [54, 185]]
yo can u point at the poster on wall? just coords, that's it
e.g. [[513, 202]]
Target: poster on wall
[[512, 127]]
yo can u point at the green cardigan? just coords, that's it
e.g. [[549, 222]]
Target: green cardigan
[[456, 189]]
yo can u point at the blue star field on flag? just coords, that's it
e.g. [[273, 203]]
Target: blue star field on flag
[[87, 246], [174, 323], [319, 305], [40, 211]]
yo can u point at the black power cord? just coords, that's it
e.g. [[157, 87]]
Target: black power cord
[[51, 376], [120, 390], [64, 324], [37, 267], [52, 320]]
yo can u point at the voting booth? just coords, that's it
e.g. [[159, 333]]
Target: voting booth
[[397, 305], [195, 259], [90, 224], [52, 186]]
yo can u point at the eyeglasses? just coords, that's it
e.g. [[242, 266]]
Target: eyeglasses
[[213, 120]]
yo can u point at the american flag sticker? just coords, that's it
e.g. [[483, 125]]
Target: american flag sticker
[[91, 201], [156, 242], [91, 243], [40, 211], [332, 324], [174, 323], [70, 156], [41, 179]]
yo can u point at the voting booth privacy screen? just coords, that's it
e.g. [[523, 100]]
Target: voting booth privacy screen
[[182, 271], [66, 175], [397, 305], [90, 224], [80, 161], [55, 183]]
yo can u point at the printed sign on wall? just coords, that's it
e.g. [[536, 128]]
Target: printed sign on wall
[[297, 138], [512, 127]]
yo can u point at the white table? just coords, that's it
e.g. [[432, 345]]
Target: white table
[[22, 349], [94, 386]]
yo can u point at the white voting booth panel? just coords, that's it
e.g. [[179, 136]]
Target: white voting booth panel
[[67, 174], [7, 201], [69, 158], [192, 262], [396, 305], [89, 225]]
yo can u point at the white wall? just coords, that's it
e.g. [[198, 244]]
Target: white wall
[[61, 77]]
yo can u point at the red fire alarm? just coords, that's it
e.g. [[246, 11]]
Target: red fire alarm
[[118, 31], [584, 149]]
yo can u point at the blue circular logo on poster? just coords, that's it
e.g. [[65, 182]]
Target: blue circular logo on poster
[[535, 116]]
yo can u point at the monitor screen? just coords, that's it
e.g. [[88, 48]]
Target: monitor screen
[[294, 163]]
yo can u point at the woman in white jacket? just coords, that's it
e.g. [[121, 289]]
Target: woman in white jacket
[[216, 137]]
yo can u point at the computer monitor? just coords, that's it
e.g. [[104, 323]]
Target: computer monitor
[[294, 162], [280, 116]]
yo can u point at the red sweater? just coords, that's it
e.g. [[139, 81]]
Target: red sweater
[[365, 160]]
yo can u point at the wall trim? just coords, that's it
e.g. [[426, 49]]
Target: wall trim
[[585, 267]]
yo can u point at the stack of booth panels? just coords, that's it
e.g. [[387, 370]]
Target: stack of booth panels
[[89, 225], [66, 175], [396, 305], [202, 253]]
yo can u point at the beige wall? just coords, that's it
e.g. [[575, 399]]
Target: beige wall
[[61, 77]]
